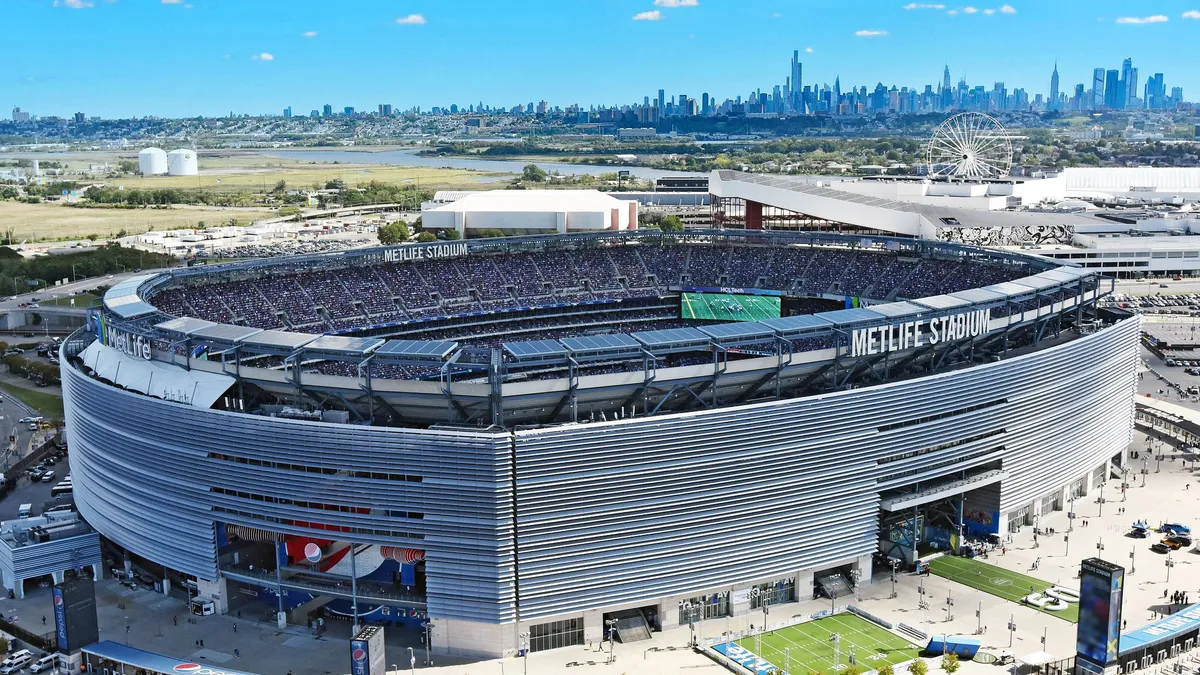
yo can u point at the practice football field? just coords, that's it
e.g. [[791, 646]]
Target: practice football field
[[999, 582], [810, 647], [723, 307]]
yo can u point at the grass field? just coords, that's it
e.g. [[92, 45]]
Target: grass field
[[998, 581], [724, 307], [47, 405], [54, 221], [252, 172], [811, 649]]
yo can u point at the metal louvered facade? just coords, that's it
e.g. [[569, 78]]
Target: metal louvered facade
[[636, 510], [156, 476], [528, 524]]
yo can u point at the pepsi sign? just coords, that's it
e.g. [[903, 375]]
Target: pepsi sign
[[312, 552], [358, 657], [60, 619]]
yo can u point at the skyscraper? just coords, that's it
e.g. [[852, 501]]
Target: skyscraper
[[328, 110], [662, 102], [287, 112], [1054, 89], [1128, 84], [1097, 88], [1112, 90], [797, 83]]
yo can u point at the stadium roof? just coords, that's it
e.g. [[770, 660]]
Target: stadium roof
[[600, 343], [804, 323], [417, 349], [740, 331], [555, 201], [123, 299], [845, 317], [335, 344], [672, 337], [185, 325], [942, 302], [535, 349], [277, 339], [899, 310], [980, 295]]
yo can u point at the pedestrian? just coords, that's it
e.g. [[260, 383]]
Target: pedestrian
[[1164, 594], [43, 620], [202, 644], [175, 619], [239, 613], [1124, 624], [235, 627], [237, 653]]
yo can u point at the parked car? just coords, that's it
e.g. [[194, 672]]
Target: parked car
[[1160, 548], [47, 662], [1175, 528], [48, 476]]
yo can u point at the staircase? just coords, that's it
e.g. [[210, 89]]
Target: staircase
[[632, 626], [834, 585]]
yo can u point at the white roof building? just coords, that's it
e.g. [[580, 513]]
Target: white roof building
[[531, 212]]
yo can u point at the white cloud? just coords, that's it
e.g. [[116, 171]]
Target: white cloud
[[265, 56], [952, 12], [923, 5], [1008, 9], [74, 4], [676, 3], [870, 33], [969, 10], [808, 50], [411, 20], [172, 2], [989, 11], [1191, 14], [311, 33], [653, 15], [1156, 18]]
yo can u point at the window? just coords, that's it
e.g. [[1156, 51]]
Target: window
[[704, 607], [773, 592], [556, 634]]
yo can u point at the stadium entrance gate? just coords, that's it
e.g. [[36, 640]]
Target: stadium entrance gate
[[913, 524]]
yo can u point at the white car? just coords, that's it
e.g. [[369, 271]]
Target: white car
[[26, 420], [47, 662]]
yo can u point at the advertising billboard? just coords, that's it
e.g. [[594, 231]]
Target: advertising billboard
[[75, 614], [367, 656], [1098, 632]]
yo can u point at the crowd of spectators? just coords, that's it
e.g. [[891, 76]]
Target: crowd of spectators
[[356, 298]]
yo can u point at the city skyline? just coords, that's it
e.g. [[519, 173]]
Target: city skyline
[[182, 59]]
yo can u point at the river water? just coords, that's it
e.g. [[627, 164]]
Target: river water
[[410, 158]]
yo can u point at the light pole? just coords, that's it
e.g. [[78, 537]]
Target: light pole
[[979, 619], [1099, 548], [949, 605], [1012, 627], [787, 661], [412, 661], [612, 629], [836, 638], [428, 626], [1067, 541], [1170, 564], [1145, 469], [895, 564], [855, 575], [1132, 568], [525, 651], [1071, 513], [1101, 512]]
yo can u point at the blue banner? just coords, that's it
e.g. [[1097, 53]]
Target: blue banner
[[360, 657], [745, 658], [60, 619]]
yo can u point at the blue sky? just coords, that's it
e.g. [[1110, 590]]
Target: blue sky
[[120, 58]]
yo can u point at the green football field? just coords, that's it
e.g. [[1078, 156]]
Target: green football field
[[999, 582], [723, 307], [810, 646]]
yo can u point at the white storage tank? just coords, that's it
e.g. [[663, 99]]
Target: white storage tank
[[182, 163], [152, 162]]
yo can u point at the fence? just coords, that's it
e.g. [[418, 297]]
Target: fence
[[43, 642]]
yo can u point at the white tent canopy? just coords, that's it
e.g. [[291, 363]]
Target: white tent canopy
[[153, 378], [1036, 659]]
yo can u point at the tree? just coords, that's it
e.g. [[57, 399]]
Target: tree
[[452, 235], [918, 667], [127, 166], [533, 173], [491, 232], [950, 662], [424, 238], [886, 670], [394, 233], [671, 224]]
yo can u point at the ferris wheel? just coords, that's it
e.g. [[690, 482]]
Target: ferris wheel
[[970, 145]]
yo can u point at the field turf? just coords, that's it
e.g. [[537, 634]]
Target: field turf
[[811, 649], [723, 307], [998, 581]]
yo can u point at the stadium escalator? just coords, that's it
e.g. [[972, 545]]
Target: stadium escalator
[[834, 585]]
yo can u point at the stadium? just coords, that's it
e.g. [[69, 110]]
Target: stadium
[[536, 441]]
